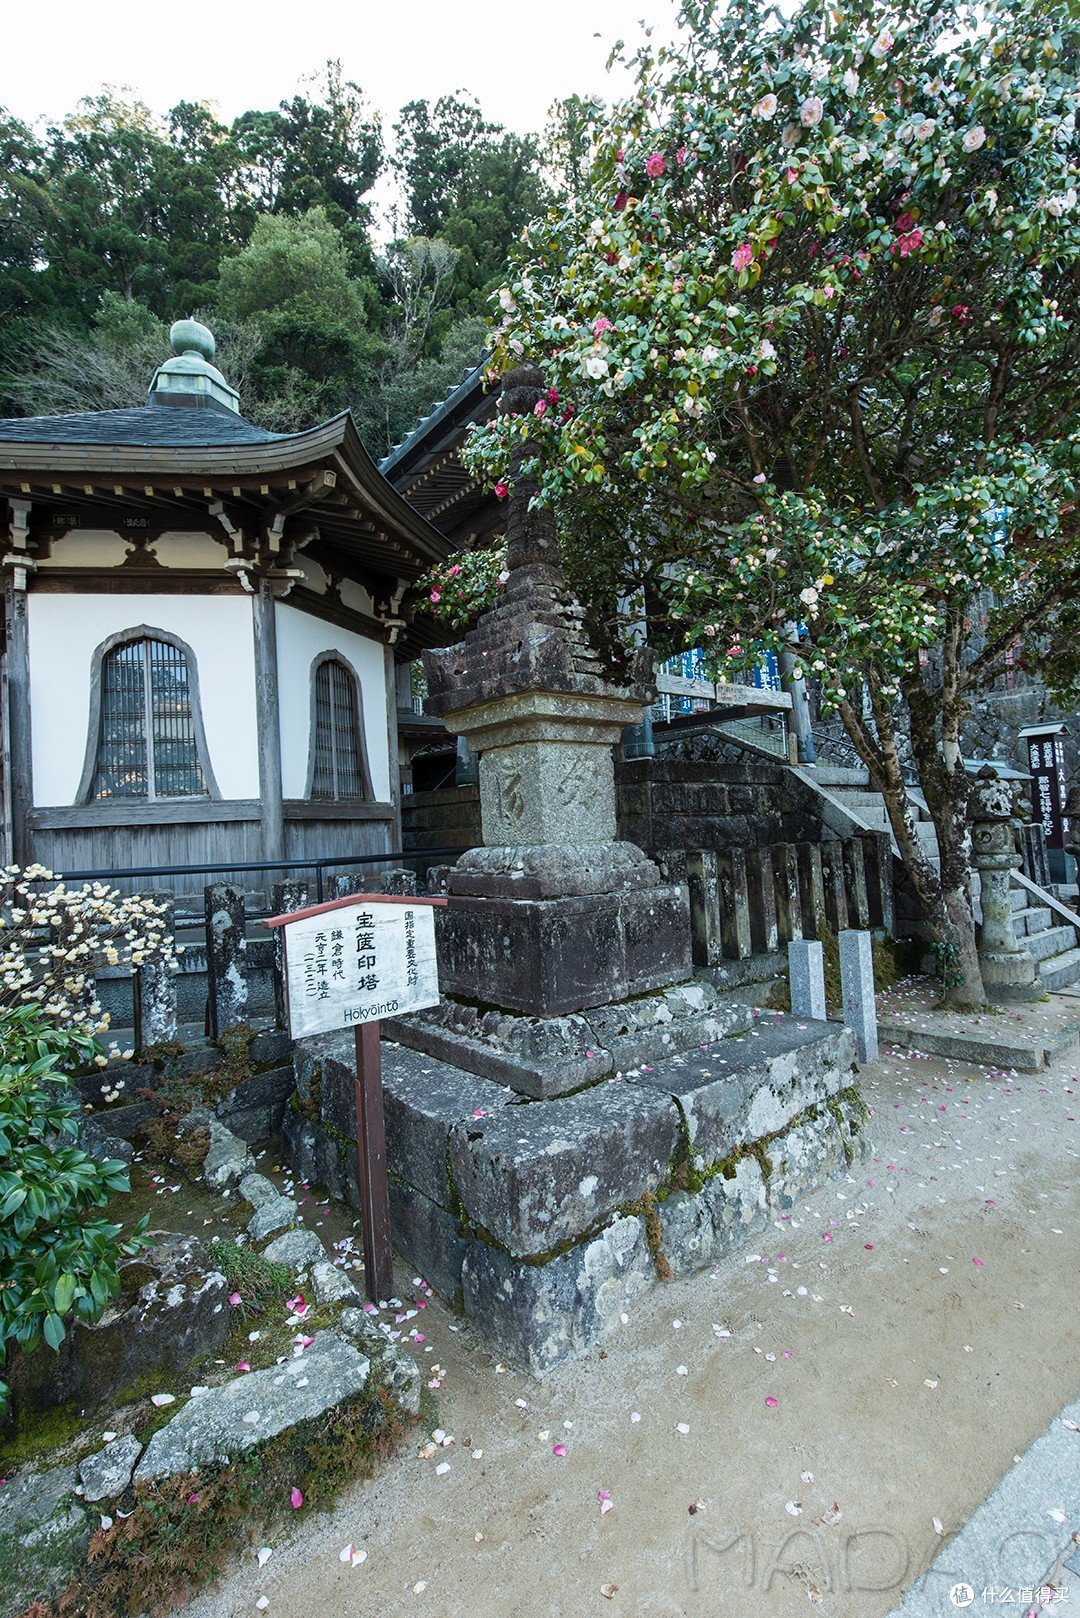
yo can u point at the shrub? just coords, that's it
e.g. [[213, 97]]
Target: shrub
[[54, 938], [57, 1260]]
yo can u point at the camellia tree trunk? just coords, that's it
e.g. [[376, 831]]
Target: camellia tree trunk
[[944, 893]]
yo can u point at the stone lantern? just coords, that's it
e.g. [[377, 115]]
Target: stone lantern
[[1008, 972]]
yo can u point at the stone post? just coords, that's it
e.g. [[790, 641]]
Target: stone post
[[832, 875], [1072, 829], [155, 993], [286, 896], [806, 978], [226, 959], [763, 928], [857, 987], [855, 871], [734, 904], [878, 865], [811, 890], [703, 881], [788, 901], [1008, 973]]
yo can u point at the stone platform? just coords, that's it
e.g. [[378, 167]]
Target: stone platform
[[543, 1220]]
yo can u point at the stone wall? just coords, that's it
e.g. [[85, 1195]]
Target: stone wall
[[543, 1225]]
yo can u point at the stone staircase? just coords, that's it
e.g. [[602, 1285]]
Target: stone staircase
[[1041, 929], [1041, 922]]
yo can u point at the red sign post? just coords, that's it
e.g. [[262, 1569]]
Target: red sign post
[[347, 964]]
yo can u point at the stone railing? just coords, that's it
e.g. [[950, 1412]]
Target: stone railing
[[753, 901]]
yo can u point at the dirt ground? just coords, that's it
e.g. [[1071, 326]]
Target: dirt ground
[[803, 1425]]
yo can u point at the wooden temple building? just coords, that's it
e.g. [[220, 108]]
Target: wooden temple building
[[204, 632]]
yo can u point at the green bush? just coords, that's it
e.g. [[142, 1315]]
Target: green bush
[[57, 1261]]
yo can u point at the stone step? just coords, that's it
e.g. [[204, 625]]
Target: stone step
[[1030, 920], [1019, 898], [1028, 1054], [836, 775], [1060, 970], [1052, 941]]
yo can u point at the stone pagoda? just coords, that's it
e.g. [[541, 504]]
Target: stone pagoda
[[553, 914], [575, 1120]]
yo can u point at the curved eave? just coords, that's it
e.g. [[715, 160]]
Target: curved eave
[[334, 443]]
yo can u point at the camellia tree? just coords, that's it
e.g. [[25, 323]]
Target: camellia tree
[[810, 329]]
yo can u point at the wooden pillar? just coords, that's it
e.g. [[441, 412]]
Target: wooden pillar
[[267, 718], [392, 748], [17, 685]]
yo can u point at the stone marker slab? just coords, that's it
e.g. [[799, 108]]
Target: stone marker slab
[[251, 1408], [806, 978], [857, 985], [547, 1172]]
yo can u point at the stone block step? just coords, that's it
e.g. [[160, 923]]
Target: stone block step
[[1027, 1055], [1018, 898], [1051, 941], [1060, 970], [836, 775], [1030, 919]]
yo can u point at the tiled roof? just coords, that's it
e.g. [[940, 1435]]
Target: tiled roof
[[151, 426]]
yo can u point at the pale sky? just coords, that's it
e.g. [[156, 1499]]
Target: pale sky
[[237, 54]]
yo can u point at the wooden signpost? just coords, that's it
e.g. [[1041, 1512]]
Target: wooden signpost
[[347, 964]]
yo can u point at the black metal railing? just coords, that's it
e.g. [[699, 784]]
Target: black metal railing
[[394, 858]]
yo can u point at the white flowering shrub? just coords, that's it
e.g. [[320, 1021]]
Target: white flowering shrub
[[55, 939]]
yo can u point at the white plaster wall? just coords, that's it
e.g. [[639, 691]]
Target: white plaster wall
[[300, 638], [65, 631], [87, 547]]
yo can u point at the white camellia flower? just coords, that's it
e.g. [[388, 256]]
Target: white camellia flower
[[767, 350], [811, 112], [974, 138], [882, 45], [925, 128], [596, 366], [851, 81], [766, 107], [808, 597], [506, 299]]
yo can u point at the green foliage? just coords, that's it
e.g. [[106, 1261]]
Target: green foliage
[[176, 1534], [813, 324], [57, 1260], [259, 1281], [459, 590]]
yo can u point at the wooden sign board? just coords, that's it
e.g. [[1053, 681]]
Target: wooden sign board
[[356, 960], [347, 964]]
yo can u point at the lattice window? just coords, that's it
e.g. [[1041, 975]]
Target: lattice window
[[146, 743], [339, 756]]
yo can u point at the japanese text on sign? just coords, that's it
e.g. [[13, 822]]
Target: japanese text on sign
[[356, 964]]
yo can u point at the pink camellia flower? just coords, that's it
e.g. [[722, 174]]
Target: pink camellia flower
[[553, 396], [602, 324], [743, 257], [435, 597], [751, 370], [568, 412], [655, 166], [910, 243], [620, 157], [620, 201], [540, 407], [681, 155], [454, 571], [905, 223], [501, 491]]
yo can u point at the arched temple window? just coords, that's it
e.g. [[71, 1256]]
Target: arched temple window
[[146, 735], [338, 766]]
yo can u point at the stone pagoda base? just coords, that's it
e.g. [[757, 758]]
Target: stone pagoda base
[[542, 1221]]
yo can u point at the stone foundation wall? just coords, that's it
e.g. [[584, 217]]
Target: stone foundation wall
[[543, 1220]]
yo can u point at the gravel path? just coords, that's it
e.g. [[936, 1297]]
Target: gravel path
[[806, 1424]]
